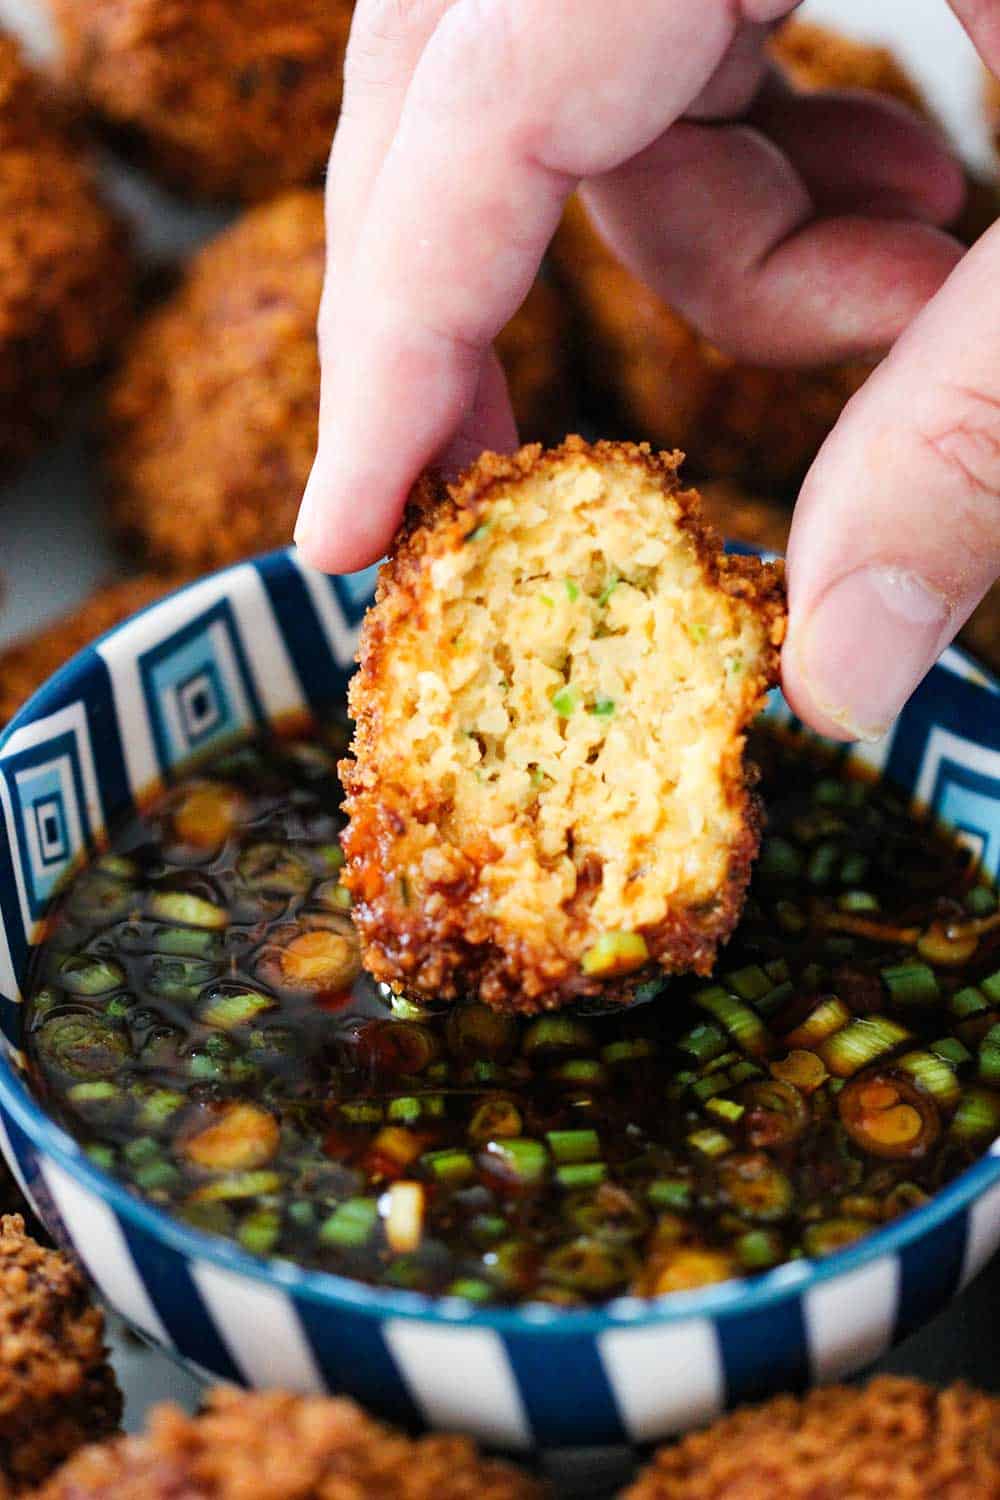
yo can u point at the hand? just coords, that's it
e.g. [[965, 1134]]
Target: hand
[[805, 232]]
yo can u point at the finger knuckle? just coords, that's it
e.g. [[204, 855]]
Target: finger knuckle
[[964, 447]]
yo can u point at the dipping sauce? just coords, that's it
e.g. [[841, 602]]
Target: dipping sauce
[[198, 1019]]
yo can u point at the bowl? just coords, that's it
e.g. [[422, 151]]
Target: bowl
[[263, 641]]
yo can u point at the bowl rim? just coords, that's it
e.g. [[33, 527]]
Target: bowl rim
[[735, 1298]]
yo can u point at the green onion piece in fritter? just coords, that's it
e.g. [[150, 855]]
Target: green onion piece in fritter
[[911, 984], [351, 1224], [572, 590], [566, 700], [602, 708], [860, 1043], [608, 589]]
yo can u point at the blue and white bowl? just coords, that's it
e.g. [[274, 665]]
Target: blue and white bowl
[[268, 639]]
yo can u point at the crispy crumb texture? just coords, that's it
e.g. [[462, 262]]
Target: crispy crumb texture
[[275, 1446], [548, 796], [57, 1390], [894, 1439]]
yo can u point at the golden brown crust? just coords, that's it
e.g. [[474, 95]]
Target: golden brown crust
[[57, 1390], [447, 945], [814, 57], [678, 390], [26, 664], [230, 98], [210, 422], [64, 265], [274, 1446], [895, 1439]]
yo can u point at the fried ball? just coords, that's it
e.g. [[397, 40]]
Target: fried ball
[[26, 664], [548, 798], [224, 98], [675, 388], [64, 265], [274, 1446], [57, 1390], [210, 426], [814, 57], [893, 1439]]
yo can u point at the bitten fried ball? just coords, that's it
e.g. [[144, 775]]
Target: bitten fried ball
[[57, 1390], [26, 664], [225, 98], [893, 1439], [64, 265], [678, 390], [548, 797], [273, 1446], [210, 425]]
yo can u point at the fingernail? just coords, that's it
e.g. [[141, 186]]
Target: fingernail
[[874, 634]]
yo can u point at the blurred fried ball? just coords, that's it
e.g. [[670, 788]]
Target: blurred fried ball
[[211, 420], [223, 98], [64, 265], [57, 1390]]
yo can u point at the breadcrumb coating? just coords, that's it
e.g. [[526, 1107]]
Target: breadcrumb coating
[[893, 1439], [548, 798], [65, 277], [210, 423], [678, 390], [223, 98], [28, 662], [275, 1446], [57, 1390]]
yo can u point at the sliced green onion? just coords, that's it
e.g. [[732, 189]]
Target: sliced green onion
[[831, 1235], [156, 1177], [822, 863], [580, 1072], [259, 1231], [100, 1091], [710, 1142], [991, 987], [187, 942], [934, 1075], [726, 1109], [589, 1265], [471, 1288], [989, 1057], [83, 975], [911, 984], [854, 867], [703, 1042], [750, 983], [450, 1166], [602, 708], [858, 901], [190, 910], [519, 1158], [743, 1024], [829, 1016], [627, 1051], [758, 1249], [574, 1145], [967, 1002], [255, 1184], [351, 1224], [572, 590], [361, 1111], [159, 1107], [669, 1192], [581, 1174], [860, 1043], [227, 1011], [102, 1156], [780, 859], [980, 901], [179, 979], [84, 1046], [141, 1150], [952, 1050], [608, 589], [405, 1010], [977, 1116], [302, 1213]]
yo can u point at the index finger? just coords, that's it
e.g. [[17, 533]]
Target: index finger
[[508, 106]]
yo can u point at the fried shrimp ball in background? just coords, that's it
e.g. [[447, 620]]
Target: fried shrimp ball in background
[[211, 420], [64, 264], [274, 1446], [26, 663], [893, 1439], [57, 1390], [222, 98], [548, 797], [817, 57]]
